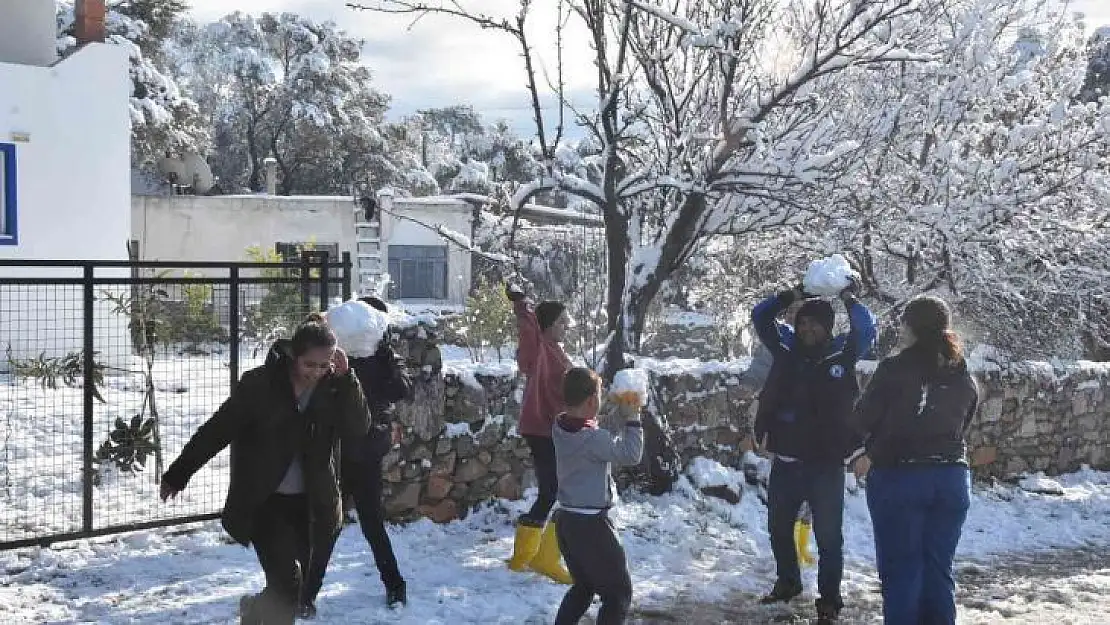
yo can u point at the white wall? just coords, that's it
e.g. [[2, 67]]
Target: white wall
[[73, 176], [452, 214], [221, 228]]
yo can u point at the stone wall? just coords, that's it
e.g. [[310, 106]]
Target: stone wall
[[461, 448]]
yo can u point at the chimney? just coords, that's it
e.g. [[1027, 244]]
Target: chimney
[[271, 175], [88, 24]]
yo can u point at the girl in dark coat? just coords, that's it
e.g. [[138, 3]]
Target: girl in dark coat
[[283, 421], [914, 416]]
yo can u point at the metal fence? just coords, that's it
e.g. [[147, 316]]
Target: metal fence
[[107, 369]]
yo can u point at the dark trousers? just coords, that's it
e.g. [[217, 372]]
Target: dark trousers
[[595, 559], [791, 484], [543, 459], [281, 540], [363, 481], [918, 513]]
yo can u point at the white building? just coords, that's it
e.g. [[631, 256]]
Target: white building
[[424, 269], [64, 167]]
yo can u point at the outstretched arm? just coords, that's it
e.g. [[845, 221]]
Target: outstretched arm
[[623, 450], [861, 336], [528, 336], [210, 439]]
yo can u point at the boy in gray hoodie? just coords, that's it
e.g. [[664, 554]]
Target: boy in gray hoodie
[[589, 542]]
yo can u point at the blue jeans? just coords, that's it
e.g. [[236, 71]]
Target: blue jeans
[[918, 513], [791, 484]]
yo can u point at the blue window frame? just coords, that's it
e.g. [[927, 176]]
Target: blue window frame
[[8, 231], [418, 272]]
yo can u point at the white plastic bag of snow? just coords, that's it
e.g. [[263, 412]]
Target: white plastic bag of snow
[[828, 276], [631, 382], [358, 327]]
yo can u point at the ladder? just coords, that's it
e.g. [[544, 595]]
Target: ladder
[[369, 255]]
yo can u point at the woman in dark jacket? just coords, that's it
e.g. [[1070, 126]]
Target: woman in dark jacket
[[283, 421], [914, 416], [384, 382]]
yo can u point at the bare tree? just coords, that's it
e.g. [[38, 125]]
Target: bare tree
[[711, 117]]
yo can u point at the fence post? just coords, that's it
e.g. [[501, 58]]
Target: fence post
[[324, 279], [89, 375], [348, 290], [233, 325], [306, 302]]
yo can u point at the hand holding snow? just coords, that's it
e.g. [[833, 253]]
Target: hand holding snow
[[828, 276], [358, 327], [630, 387]]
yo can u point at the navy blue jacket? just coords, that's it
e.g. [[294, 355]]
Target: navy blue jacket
[[805, 407]]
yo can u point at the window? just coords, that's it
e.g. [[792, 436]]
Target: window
[[418, 271], [8, 233]]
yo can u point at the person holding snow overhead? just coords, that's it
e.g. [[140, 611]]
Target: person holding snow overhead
[[283, 421], [384, 381], [914, 416], [541, 358], [587, 537], [804, 421]]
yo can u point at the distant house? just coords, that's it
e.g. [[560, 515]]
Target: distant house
[[65, 134], [424, 269]]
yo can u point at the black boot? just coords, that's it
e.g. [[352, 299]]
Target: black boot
[[248, 610], [828, 612], [307, 610], [396, 595], [783, 592]]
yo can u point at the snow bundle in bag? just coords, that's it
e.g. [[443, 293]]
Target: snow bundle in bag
[[358, 327], [630, 387], [828, 276]]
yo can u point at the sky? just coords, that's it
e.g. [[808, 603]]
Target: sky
[[440, 62]]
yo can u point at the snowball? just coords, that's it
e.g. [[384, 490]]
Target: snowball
[[358, 327], [632, 382], [828, 276]]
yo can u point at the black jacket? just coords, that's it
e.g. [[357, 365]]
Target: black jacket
[[910, 415], [261, 423], [384, 382], [806, 402]]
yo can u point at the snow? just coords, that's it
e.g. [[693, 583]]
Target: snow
[[828, 276], [678, 545], [358, 327], [707, 473], [1038, 483], [632, 381]]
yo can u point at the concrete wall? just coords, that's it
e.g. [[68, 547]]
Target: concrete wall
[[70, 128], [452, 214], [221, 228]]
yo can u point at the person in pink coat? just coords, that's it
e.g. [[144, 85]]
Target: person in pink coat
[[542, 360]]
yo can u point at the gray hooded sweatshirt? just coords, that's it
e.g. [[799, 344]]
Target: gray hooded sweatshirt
[[584, 456]]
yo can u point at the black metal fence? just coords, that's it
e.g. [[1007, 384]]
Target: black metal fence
[[106, 370]]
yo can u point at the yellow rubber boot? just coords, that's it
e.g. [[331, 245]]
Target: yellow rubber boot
[[549, 560], [801, 543], [525, 546]]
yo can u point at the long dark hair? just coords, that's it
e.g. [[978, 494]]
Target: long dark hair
[[311, 334], [936, 344]]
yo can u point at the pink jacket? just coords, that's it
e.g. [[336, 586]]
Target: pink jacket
[[544, 362]]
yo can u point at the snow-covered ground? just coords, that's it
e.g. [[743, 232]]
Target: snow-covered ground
[[679, 545]]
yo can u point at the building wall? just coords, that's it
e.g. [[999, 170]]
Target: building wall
[[221, 228], [452, 214], [70, 128]]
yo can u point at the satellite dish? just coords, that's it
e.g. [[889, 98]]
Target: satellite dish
[[173, 170], [197, 174]]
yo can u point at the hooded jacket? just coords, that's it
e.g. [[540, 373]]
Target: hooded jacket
[[261, 424], [384, 382], [544, 362], [805, 407], [584, 456]]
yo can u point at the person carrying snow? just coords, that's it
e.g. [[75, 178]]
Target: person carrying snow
[[914, 416], [384, 382], [541, 358], [589, 541], [283, 421], [803, 420]]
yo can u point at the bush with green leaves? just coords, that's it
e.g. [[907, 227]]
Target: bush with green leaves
[[281, 309], [128, 446], [68, 369], [488, 320]]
